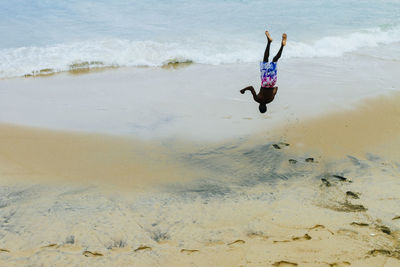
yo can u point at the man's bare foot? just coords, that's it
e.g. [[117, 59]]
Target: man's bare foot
[[284, 37], [268, 36]]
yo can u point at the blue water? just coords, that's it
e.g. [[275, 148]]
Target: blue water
[[39, 34]]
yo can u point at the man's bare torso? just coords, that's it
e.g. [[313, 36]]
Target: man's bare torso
[[266, 95]]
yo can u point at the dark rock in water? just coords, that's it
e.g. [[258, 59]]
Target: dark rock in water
[[384, 229], [276, 146], [292, 161], [396, 218], [280, 145], [341, 178], [352, 195], [326, 182], [359, 224], [309, 159]]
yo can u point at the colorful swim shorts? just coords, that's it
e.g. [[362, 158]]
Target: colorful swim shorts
[[268, 74]]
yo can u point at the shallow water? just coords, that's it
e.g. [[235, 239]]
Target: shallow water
[[51, 36]]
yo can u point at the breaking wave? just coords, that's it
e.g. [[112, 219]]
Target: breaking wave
[[78, 56]]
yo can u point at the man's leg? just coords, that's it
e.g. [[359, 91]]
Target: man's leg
[[278, 56], [266, 53]]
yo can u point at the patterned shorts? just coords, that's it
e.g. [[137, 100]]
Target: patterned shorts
[[268, 74]]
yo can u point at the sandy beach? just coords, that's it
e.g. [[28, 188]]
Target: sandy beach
[[125, 139], [322, 191]]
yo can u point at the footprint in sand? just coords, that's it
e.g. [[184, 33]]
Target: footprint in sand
[[339, 264], [320, 227], [237, 242], [50, 246], [257, 235], [359, 224], [352, 195], [295, 238], [143, 248], [284, 263], [389, 253], [304, 237], [328, 179], [91, 254], [347, 232], [317, 226], [384, 229], [346, 207], [189, 251]]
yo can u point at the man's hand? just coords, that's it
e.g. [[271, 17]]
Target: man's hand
[[250, 88]]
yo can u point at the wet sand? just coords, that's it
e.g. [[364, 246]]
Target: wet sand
[[31, 155], [372, 126], [318, 192]]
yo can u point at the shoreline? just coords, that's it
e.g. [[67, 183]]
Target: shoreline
[[154, 103]]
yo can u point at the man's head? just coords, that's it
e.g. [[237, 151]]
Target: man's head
[[262, 108]]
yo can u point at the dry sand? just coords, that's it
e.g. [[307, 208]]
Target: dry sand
[[251, 206]]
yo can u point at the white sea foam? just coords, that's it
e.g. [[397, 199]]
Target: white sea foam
[[117, 52], [335, 46]]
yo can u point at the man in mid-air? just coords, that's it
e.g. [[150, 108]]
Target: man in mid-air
[[268, 77]]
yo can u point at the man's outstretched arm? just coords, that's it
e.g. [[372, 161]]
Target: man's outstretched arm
[[251, 89]]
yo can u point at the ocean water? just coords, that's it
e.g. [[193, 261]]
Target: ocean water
[[42, 36]]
